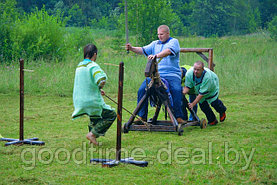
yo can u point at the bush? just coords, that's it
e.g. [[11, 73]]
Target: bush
[[38, 35], [272, 28], [75, 40], [8, 13]]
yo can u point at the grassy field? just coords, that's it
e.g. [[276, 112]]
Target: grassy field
[[241, 150]]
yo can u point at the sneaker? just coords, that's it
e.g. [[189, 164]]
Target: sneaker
[[214, 122], [181, 121], [222, 116]]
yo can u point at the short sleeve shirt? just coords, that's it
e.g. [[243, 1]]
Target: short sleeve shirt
[[168, 66], [207, 85]]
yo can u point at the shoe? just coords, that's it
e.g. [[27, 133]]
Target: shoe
[[181, 121], [222, 116], [214, 122]]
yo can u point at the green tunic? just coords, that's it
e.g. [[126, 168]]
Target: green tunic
[[207, 85], [87, 98]]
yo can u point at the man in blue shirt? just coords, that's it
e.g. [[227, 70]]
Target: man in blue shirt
[[206, 85], [168, 49]]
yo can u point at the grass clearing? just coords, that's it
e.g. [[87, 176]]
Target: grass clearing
[[240, 150]]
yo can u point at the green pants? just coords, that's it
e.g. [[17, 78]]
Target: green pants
[[99, 125]]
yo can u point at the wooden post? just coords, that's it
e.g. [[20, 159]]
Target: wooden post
[[21, 94], [119, 111], [211, 66]]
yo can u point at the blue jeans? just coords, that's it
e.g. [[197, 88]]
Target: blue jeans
[[175, 89]]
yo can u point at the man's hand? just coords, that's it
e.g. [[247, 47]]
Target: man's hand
[[102, 84], [151, 57], [102, 92], [128, 47], [185, 90], [197, 100], [191, 105]]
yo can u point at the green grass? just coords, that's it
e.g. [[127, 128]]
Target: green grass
[[199, 156], [245, 64], [246, 67]]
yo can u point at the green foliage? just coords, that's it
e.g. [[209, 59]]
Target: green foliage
[[38, 35], [145, 16], [210, 18], [272, 27], [256, 52], [8, 13], [109, 22], [76, 16], [219, 18], [205, 18], [75, 40], [268, 10]]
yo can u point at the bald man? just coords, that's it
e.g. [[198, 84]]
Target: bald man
[[206, 85], [168, 49]]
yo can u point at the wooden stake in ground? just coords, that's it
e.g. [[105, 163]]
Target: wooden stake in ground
[[21, 140], [110, 162]]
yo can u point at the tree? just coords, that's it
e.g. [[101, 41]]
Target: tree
[[268, 10], [272, 27], [210, 17], [145, 16], [8, 14], [76, 16]]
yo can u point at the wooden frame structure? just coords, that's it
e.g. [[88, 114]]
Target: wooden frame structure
[[200, 51], [167, 125]]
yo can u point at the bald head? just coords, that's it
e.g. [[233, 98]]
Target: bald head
[[198, 68], [165, 28], [163, 33]]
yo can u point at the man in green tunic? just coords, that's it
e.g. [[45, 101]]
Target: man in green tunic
[[87, 95], [206, 84]]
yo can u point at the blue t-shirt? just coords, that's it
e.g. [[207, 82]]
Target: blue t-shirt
[[168, 66]]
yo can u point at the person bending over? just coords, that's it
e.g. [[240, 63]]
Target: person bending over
[[206, 85]]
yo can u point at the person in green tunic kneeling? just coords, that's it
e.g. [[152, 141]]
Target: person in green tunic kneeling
[[87, 95], [206, 85]]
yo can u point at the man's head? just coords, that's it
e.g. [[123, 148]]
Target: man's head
[[163, 33], [90, 52], [198, 68]]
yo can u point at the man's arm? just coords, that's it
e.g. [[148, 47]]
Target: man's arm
[[137, 50], [162, 54], [101, 85], [197, 100], [185, 90]]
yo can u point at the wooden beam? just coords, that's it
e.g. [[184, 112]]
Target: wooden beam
[[186, 50]]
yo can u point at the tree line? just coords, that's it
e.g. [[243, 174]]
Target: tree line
[[35, 25], [201, 17]]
